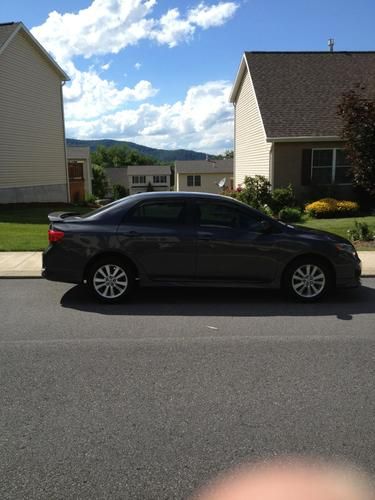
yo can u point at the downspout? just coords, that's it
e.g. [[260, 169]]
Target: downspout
[[234, 147], [65, 148], [272, 165]]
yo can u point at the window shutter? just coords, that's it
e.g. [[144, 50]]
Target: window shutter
[[306, 167]]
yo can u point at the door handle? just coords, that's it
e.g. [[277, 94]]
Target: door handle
[[205, 236]]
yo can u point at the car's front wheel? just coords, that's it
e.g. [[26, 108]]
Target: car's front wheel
[[308, 280], [111, 280]]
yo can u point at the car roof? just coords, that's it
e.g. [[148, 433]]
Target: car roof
[[174, 194]]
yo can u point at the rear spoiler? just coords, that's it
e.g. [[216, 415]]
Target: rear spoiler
[[60, 216]]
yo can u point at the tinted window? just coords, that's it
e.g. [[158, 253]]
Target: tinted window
[[158, 213], [225, 216]]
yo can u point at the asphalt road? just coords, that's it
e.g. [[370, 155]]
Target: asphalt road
[[148, 400]]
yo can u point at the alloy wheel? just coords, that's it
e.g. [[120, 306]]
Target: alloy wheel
[[110, 281], [308, 281]]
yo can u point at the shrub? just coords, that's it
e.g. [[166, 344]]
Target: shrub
[[360, 231], [266, 210], [290, 214], [99, 181], [90, 199], [119, 191], [282, 198], [256, 192], [329, 207]]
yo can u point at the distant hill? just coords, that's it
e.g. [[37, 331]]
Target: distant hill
[[164, 155]]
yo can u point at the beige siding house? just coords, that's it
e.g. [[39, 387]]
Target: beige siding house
[[139, 178], [32, 138], [286, 123], [205, 176]]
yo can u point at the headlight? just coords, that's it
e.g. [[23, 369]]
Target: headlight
[[347, 248]]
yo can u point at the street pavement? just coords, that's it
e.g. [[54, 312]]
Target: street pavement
[[150, 399]]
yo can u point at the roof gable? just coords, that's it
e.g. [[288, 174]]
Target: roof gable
[[10, 30], [298, 92]]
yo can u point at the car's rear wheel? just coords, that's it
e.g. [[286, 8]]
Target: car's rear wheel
[[111, 280], [308, 279]]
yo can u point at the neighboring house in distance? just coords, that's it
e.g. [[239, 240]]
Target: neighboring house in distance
[[79, 171], [117, 175], [33, 164], [203, 175], [286, 122], [137, 178]]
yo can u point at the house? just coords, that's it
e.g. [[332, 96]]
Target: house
[[140, 178], [286, 123], [32, 136], [208, 176], [79, 171]]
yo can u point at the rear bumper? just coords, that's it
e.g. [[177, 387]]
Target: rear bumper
[[53, 270]]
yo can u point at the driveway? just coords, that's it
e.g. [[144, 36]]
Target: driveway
[[147, 400]]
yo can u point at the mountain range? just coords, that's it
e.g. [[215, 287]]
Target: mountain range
[[163, 155]]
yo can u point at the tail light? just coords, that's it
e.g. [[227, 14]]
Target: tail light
[[54, 235]]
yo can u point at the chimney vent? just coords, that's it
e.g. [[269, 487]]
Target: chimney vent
[[331, 44]]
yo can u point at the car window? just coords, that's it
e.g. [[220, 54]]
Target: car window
[[217, 215], [158, 213], [221, 215]]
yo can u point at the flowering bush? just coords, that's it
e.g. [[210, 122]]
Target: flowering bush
[[329, 207]]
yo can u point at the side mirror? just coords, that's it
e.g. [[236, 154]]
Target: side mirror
[[265, 226]]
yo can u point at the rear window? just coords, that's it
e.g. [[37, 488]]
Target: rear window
[[158, 213]]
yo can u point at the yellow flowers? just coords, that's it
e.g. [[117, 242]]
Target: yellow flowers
[[329, 207]]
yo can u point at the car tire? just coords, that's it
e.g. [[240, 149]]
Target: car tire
[[308, 280], [111, 280]]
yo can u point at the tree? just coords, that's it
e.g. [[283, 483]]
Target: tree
[[229, 153], [119, 156], [99, 181], [358, 132]]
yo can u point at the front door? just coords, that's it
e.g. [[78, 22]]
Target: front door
[[232, 246], [157, 235]]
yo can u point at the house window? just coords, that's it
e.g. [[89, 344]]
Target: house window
[[160, 179], [139, 179], [330, 166], [193, 180]]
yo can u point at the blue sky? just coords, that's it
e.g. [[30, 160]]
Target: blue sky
[[159, 73]]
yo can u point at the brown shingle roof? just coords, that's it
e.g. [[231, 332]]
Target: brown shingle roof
[[149, 170], [204, 166], [298, 92]]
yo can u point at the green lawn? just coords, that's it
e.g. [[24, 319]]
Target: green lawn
[[340, 226], [24, 227]]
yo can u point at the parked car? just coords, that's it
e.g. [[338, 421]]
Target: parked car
[[193, 239]]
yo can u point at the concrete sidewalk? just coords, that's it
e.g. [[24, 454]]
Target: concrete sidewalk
[[29, 264]]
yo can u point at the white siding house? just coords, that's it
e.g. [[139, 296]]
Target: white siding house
[[32, 136], [252, 152]]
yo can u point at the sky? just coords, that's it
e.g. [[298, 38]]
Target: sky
[[159, 73]]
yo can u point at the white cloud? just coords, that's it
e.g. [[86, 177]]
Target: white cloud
[[106, 66], [96, 107], [137, 66], [202, 121], [90, 96], [206, 16]]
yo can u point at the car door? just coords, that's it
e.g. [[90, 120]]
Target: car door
[[157, 235], [233, 244]]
